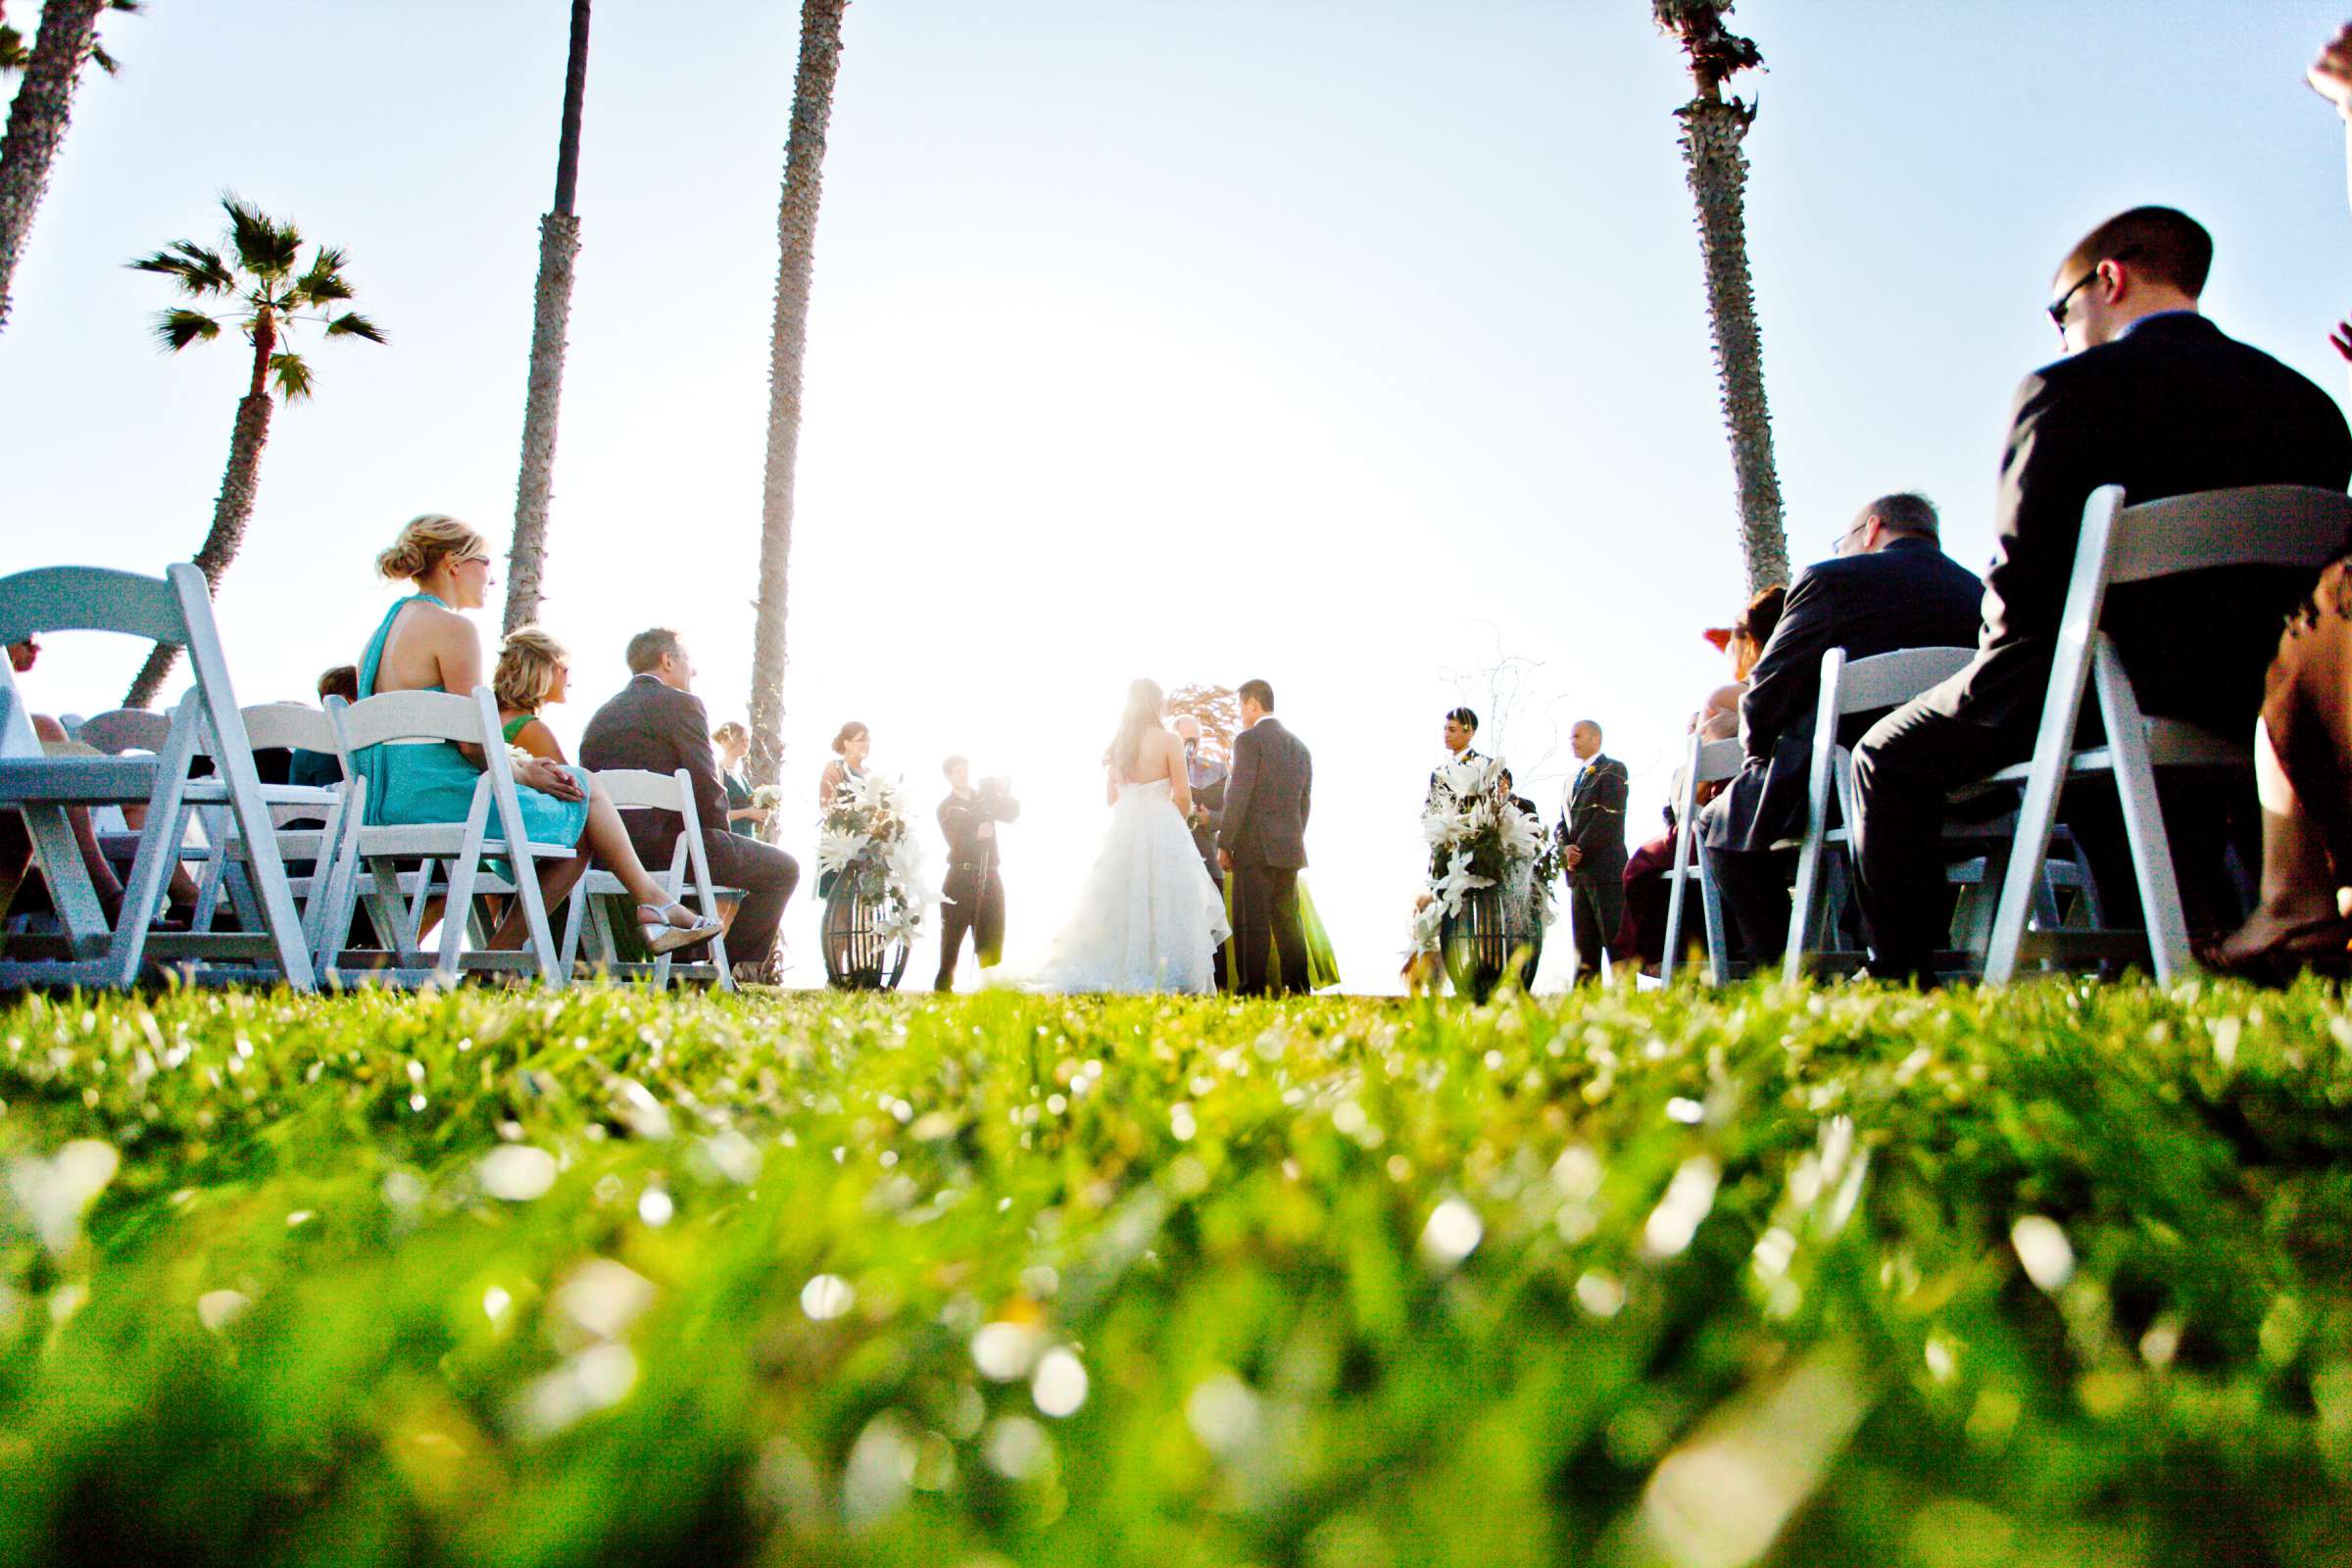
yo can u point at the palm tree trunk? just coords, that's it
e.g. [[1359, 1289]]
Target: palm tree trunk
[[230, 512], [796, 235], [37, 123], [1713, 129], [551, 323]]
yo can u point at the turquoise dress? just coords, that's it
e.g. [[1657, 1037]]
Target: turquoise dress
[[435, 783]]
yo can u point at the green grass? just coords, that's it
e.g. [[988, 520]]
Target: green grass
[[1664, 1279]]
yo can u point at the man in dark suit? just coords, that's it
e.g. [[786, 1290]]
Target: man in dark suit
[[1263, 846], [655, 723], [1888, 585], [975, 889], [1207, 777], [1593, 847], [2153, 397]]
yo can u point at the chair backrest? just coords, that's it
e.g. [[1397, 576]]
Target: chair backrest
[[124, 729], [1888, 680], [289, 727], [2262, 525], [51, 599], [1716, 761], [638, 789], [397, 717]]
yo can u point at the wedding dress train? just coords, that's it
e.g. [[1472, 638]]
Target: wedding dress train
[[1147, 917]]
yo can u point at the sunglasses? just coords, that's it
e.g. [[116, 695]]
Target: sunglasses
[[2058, 307]]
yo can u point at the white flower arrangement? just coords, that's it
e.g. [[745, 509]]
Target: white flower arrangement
[[767, 797], [863, 837], [1478, 839]]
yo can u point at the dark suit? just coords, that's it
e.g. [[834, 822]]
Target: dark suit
[[1266, 801], [974, 890], [1209, 779], [2171, 407], [1594, 823], [651, 726], [1908, 593]]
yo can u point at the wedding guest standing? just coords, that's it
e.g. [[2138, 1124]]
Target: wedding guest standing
[[1593, 847], [745, 815], [2153, 397], [851, 745], [1263, 846], [655, 723], [975, 889]]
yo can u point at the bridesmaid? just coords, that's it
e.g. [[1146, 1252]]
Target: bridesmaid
[[850, 749], [744, 814], [425, 643]]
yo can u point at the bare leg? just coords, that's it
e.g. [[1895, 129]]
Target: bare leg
[[85, 837], [2298, 883], [606, 839]]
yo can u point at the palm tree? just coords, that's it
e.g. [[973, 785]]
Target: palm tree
[[796, 235], [551, 323], [67, 37], [266, 293], [1713, 128]]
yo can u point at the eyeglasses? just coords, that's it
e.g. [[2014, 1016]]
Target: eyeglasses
[[2057, 308]]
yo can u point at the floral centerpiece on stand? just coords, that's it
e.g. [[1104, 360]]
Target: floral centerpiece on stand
[[866, 839], [1478, 839]]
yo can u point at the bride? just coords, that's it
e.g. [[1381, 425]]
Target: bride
[[1147, 918]]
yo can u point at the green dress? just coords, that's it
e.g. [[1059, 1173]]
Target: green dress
[[435, 783], [1322, 963]]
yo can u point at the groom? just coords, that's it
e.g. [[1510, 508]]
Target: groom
[[1263, 846]]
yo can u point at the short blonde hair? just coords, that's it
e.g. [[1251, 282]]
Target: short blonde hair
[[427, 540], [527, 663]]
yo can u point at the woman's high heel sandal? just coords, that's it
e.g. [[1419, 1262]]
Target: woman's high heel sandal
[[662, 937]]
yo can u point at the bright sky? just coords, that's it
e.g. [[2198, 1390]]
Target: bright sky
[[1350, 345]]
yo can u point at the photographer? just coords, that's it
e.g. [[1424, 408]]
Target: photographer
[[974, 891]]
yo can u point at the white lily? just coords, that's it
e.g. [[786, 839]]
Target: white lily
[[836, 849], [1458, 880]]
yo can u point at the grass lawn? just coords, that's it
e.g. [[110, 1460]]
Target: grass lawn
[[2052, 1276]]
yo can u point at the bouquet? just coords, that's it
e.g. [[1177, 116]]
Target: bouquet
[[767, 797], [864, 837]]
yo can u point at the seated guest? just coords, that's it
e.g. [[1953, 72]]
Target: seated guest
[[533, 672], [2155, 398], [656, 722], [1648, 892], [2303, 741], [16, 841], [744, 814], [1887, 585], [425, 643], [320, 769]]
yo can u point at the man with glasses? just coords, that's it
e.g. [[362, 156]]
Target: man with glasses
[[2153, 397], [1888, 585]]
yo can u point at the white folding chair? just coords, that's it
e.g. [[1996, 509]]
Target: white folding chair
[[318, 823], [174, 610], [1848, 687], [117, 732], [1705, 762], [2273, 525], [493, 827], [633, 790]]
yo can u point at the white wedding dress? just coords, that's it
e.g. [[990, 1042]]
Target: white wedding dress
[[1149, 916]]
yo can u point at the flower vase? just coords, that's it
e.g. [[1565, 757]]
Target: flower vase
[[1478, 941], [858, 955]]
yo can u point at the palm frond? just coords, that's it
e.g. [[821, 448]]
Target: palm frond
[[102, 59], [292, 375], [265, 247], [351, 323], [14, 55], [323, 283], [176, 329], [131, 6], [198, 272]]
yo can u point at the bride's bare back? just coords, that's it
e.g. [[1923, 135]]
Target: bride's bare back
[[1159, 756]]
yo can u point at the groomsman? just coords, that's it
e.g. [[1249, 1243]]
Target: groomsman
[[1593, 847], [974, 888], [1461, 728], [1263, 845], [1207, 777]]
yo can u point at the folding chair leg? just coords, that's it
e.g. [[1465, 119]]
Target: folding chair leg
[[1804, 909], [1710, 901], [2143, 816]]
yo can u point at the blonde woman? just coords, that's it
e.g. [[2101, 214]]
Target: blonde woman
[[745, 815], [425, 643]]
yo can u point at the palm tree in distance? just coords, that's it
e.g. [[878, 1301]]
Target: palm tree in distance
[[67, 38], [262, 289], [796, 234], [551, 325], [1713, 128]]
